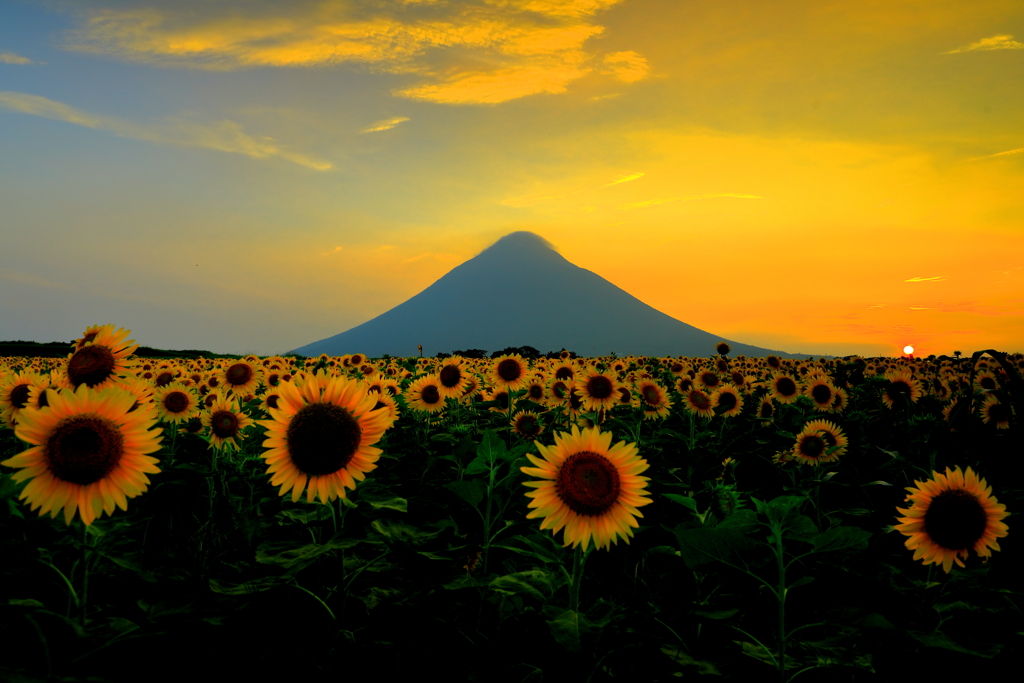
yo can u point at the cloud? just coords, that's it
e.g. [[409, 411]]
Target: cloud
[[921, 308], [224, 136], [936, 278], [528, 46], [993, 43], [386, 124], [332, 251], [625, 179], [655, 202], [23, 278], [999, 154], [496, 87], [879, 306], [11, 58], [627, 67]]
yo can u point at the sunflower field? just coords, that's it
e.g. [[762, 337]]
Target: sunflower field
[[508, 519]]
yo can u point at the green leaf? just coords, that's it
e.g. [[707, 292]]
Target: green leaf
[[716, 614], [566, 629], [534, 583], [402, 533], [247, 587], [680, 657], [540, 546], [491, 448], [396, 503], [744, 521], [685, 501], [782, 510], [942, 641], [799, 528], [470, 490], [841, 538], [707, 544]]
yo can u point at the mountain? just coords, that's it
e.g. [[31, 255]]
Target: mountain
[[521, 292]]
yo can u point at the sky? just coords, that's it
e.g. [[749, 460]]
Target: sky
[[249, 176]]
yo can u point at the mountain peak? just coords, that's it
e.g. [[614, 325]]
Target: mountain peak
[[521, 241]]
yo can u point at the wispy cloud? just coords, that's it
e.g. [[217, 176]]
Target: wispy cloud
[[999, 154], [11, 58], [655, 202], [936, 278], [529, 46], [921, 308], [386, 124], [224, 136], [879, 306], [994, 43], [332, 251], [625, 179], [627, 67]]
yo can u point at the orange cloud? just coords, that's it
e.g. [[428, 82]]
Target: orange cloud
[[627, 67], [531, 46], [994, 43], [386, 124]]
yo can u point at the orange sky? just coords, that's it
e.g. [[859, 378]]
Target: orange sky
[[250, 176]]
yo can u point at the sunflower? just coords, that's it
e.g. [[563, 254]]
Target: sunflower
[[588, 487], [819, 442], [388, 403], [225, 421], [508, 372], [994, 411], [654, 400], [241, 377], [902, 388], [321, 439], [707, 379], [727, 401], [175, 403], [558, 391], [16, 392], [425, 394], [88, 454], [472, 388], [821, 392], [698, 402], [527, 424], [564, 371], [722, 348], [949, 515], [840, 400], [597, 390], [985, 381], [784, 388], [99, 362], [535, 390], [451, 377], [766, 409]]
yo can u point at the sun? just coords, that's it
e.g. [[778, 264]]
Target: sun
[[908, 349]]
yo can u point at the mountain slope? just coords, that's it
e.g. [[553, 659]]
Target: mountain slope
[[521, 292]]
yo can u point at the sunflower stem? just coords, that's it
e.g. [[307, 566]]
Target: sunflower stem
[[781, 595], [579, 559], [83, 593]]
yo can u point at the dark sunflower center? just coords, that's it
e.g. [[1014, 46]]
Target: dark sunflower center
[[164, 378], [502, 398], [239, 374], [450, 376], [323, 438], [625, 398], [509, 370], [898, 389], [955, 519], [176, 402], [575, 400], [19, 396], [224, 424], [709, 379], [273, 379], [431, 395], [84, 448], [766, 410], [651, 394], [999, 412], [536, 392], [786, 386], [988, 383], [821, 394], [600, 387], [588, 483], [91, 365], [558, 389], [528, 425], [272, 401], [43, 400], [812, 446], [726, 401], [700, 399], [563, 373]]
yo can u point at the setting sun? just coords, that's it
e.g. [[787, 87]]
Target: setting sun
[[908, 349]]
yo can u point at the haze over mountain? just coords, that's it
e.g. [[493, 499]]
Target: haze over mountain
[[521, 292]]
